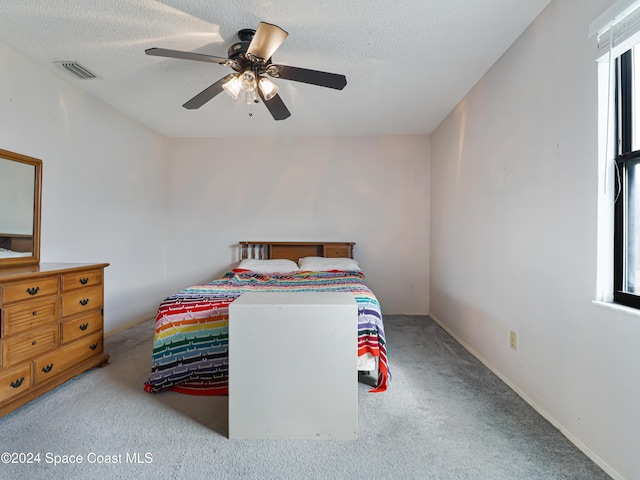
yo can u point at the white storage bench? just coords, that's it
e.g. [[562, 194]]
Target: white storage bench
[[293, 366]]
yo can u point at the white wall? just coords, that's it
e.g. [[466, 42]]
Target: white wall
[[370, 190], [514, 179], [104, 183]]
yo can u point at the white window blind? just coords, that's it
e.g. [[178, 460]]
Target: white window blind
[[618, 28]]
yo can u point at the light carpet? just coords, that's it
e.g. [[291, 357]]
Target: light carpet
[[445, 416]]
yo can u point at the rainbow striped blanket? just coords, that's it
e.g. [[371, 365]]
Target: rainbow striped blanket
[[190, 346]]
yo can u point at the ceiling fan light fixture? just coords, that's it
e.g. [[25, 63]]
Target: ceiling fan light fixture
[[268, 88], [243, 83], [233, 87]]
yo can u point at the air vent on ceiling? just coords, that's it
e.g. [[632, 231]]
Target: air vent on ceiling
[[76, 69]]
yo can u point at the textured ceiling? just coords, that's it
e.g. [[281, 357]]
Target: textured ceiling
[[407, 63]]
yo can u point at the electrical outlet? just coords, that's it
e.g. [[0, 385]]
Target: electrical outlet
[[513, 340]]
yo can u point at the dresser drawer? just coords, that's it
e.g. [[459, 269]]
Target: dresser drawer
[[15, 382], [81, 326], [22, 347], [48, 366], [81, 301], [26, 316], [36, 288], [74, 281]]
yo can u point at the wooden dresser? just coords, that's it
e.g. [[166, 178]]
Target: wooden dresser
[[51, 327]]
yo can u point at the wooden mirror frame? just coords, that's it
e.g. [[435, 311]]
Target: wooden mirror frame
[[37, 204]]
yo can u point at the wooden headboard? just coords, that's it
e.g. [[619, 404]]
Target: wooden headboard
[[295, 250]]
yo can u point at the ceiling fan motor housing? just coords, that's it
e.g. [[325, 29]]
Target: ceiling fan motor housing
[[237, 49], [245, 36]]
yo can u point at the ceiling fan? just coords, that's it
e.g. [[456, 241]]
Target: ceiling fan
[[251, 59]]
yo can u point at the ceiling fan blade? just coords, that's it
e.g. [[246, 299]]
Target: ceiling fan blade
[[266, 40], [200, 57], [207, 94], [276, 107], [314, 77]]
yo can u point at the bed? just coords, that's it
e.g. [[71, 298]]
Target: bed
[[190, 346], [5, 253], [15, 245]]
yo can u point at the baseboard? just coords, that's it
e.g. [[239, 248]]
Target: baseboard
[[128, 325], [572, 438]]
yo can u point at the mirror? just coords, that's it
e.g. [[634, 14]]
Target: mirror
[[20, 199]]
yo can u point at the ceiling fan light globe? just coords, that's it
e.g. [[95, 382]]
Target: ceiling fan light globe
[[250, 97], [233, 87], [268, 88]]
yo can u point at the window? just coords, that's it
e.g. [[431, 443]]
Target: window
[[626, 257], [617, 31]]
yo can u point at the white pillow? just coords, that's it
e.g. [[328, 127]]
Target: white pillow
[[323, 264], [268, 266]]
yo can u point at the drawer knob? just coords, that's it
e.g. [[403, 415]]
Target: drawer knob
[[17, 383], [34, 342], [84, 281], [34, 313], [84, 301], [93, 346], [84, 326], [48, 368], [33, 291]]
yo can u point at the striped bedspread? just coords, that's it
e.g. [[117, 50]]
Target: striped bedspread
[[191, 339]]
